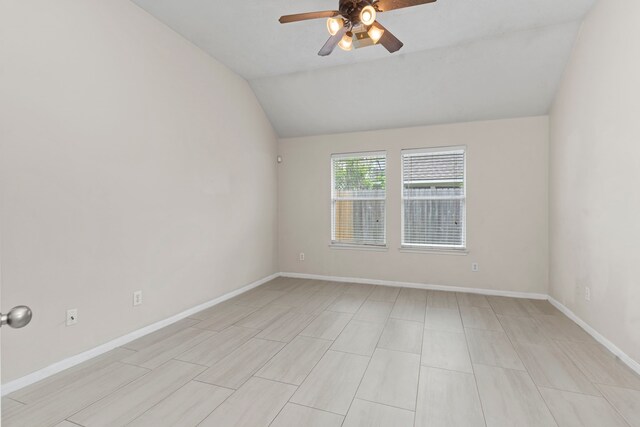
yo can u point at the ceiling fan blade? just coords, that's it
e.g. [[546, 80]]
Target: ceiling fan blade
[[388, 40], [387, 5], [333, 41], [310, 15]]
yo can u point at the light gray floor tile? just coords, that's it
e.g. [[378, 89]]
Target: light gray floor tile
[[332, 384], [446, 350], [295, 361], [156, 354], [296, 298], [347, 303], [411, 304], [448, 399], [524, 329], [130, 401], [359, 289], [626, 401], [264, 317], [71, 398], [479, 318], [442, 299], [241, 364], [212, 350], [579, 410], [534, 307], [257, 297], [443, 319], [402, 335], [9, 405], [286, 327], [508, 306], [255, 404], [220, 318], [391, 379], [584, 384], [187, 407], [374, 311], [327, 325], [562, 328], [599, 365], [384, 293], [330, 288], [510, 398], [49, 386], [472, 300], [492, 348], [317, 304], [550, 367], [359, 338], [283, 284], [366, 414], [159, 335], [293, 415]]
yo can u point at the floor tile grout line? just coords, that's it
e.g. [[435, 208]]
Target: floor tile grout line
[[529, 373], [615, 408], [385, 404], [176, 391], [355, 395], [112, 392], [415, 413], [473, 372]]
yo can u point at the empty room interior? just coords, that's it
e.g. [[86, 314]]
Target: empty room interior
[[321, 213]]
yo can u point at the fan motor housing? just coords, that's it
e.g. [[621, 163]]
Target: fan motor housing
[[350, 9]]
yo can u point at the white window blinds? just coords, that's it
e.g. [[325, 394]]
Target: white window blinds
[[433, 198], [358, 198]]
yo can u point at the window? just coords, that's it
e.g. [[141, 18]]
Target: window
[[358, 199], [433, 198]]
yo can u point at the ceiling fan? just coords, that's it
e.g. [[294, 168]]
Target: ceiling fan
[[354, 24]]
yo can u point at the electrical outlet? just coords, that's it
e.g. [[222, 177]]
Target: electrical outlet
[[72, 316], [301, 256], [587, 293], [475, 267], [137, 298]]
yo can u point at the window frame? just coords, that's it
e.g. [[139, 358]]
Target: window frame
[[431, 247], [355, 245]]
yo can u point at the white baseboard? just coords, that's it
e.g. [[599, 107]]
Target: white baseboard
[[67, 363], [50, 370], [491, 292], [635, 366], [597, 336]]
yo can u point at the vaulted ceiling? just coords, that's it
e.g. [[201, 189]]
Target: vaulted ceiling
[[462, 60]]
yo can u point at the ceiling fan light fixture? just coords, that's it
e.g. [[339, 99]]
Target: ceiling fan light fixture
[[347, 41], [368, 15], [375, 33], [334, 25]]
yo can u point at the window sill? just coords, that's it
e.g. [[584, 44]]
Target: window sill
[[358, 248], [435, 251]]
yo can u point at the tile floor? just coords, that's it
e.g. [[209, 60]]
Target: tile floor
[[311, 353]]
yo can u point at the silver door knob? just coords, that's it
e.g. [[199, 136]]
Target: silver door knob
[[18, 317]]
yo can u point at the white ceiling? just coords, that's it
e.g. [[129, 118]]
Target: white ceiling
[[462, 60]]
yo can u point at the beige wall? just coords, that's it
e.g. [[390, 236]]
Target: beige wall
[[129, 160], [594, 176], [507, 207]]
